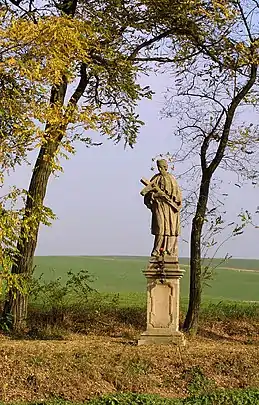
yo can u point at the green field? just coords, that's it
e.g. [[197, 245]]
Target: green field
[[122, 274]]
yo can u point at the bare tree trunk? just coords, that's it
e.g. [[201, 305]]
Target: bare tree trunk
[[192, 316]]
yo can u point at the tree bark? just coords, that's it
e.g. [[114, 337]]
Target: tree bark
[[192, 316], [15, 308]]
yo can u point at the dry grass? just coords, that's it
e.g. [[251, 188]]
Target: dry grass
[[82, 366]]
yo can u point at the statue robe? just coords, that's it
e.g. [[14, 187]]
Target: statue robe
[[165, 220]]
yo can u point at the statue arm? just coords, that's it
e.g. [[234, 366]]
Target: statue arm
[[148, 200]]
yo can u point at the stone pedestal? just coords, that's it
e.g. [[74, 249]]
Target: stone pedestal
[[163, 287]]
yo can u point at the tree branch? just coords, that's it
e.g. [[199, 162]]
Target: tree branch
[[79, 91], [148, 43], [206, 142], [207, 97], [229, 119], [155, 59], [245, 22]]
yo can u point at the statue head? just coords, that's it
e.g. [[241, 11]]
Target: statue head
[[162, 166]]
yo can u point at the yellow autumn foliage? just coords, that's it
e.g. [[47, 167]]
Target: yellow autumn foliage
[[48, 50], [34, 58]]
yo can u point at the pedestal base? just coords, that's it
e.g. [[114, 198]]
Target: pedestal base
[[163, 283], [177, 338]]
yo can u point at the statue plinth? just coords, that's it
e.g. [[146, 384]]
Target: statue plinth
[[163, 290]]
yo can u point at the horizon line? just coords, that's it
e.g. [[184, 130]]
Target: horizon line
[[144, 256]]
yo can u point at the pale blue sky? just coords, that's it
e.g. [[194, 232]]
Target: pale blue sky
[[97, 201]]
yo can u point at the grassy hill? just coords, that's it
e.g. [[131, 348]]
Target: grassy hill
[[122, 274]]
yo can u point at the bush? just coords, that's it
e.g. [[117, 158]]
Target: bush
[[57, 294]]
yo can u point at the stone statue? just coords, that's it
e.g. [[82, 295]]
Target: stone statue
[[163, 197]]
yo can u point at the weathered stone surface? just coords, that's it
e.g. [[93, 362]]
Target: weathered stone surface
[[163, 197], [163, 265], [163, 291]]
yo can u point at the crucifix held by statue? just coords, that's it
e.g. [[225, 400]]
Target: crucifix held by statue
[[163, 197]]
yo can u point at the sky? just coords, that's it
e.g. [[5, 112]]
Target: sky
[[97, 202]]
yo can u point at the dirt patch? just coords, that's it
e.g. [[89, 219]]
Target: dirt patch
[[81, 367]]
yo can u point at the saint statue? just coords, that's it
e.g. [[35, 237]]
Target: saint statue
[[163, 197]]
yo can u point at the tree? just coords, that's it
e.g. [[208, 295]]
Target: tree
[[212, 89], [17, 136], [101, 47], [43, 57], [94, 44]]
